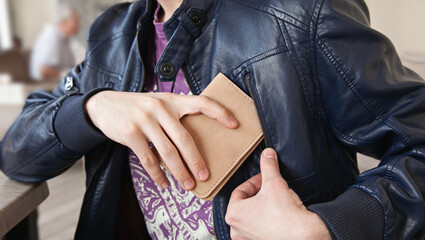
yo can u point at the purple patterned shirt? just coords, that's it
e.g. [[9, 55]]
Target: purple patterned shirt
[[172, 213]]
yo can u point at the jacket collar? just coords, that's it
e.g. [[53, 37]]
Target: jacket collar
[[205, 9], [200, 11], [182, 29]]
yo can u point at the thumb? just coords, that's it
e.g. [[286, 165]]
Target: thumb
[[269, 165]]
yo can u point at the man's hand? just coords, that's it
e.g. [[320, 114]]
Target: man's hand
[[49, 73], [265, 208], [135, 119]]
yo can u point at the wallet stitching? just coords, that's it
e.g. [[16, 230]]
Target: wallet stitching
[[231, 165], [240, 91]]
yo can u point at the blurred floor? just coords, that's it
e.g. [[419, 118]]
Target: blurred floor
[[8, 114], [58, 215]]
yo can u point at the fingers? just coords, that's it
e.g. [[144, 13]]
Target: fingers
[[185, 145], [169, 154], [247, 189], [271, 174], [210, 108], [269, 166], [149, 161]]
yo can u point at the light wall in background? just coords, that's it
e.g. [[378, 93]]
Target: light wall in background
[[403, 21], [29, 18], [5, 26]]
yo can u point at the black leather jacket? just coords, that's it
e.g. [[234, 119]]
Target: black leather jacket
[[325, 85]]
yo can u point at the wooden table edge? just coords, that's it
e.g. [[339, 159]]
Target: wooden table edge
[[22, 206]]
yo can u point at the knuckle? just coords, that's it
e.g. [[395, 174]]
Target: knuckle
[[222, 111], [167, 150], [156, 103], [181, 174], [132, 129], [157, 176], [196, 163], [148, 162], [143, 116], [204, 99], [184, 137]]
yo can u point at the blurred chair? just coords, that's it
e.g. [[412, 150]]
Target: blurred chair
[[15, 63]]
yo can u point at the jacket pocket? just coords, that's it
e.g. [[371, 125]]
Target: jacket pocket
[[95, 76]]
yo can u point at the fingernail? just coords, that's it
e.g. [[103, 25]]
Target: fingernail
[[188, 184], [233, 121], [269, 153], [203, 174], [165, 185]]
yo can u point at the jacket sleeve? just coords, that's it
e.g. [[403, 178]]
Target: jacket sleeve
[[374, 106], [52, 132]]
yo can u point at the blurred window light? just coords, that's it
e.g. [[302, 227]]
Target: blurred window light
[[5, 27]]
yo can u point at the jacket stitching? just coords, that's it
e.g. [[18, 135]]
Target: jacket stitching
[[347, 77], [349, 139], [272, 11], [418, 152], [308, 97], [100, 42], [326, 50], [323, 188], [192, 77], [405, 138], [102, 70], [259, 106], [315, 14], [239, 69], [138, 82], [43, 151], [267, 127], [313, 54]]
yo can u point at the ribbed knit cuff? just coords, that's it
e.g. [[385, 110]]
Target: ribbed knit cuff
[[353, 215], [74, 128]]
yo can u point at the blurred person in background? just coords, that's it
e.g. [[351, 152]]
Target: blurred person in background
[[52, 52]]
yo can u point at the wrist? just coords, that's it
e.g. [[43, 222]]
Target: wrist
[[92, 106], [317, 228]]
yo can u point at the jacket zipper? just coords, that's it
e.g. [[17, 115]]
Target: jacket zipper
[[140, 88], [248, 78], [212, 218]]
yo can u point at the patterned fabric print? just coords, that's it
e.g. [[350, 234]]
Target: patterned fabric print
[[171, 213]]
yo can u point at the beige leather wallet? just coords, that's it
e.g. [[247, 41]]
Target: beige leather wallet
[[223, 149]]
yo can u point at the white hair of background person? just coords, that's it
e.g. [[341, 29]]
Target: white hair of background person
[[63, 12]]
